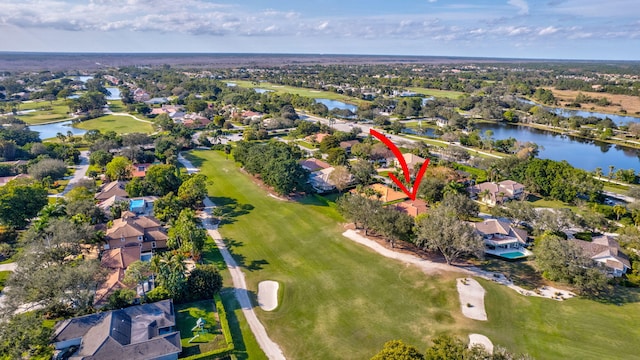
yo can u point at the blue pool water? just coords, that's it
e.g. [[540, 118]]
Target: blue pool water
[[513, 255], [136, 204]]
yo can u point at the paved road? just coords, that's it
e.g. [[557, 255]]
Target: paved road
[[270, 348], [81, 172], [8, 267]]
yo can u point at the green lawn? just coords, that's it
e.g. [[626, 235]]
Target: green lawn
[[116, 106], [119, 124], [572, 329], [338, 296], [436, 92], [283, 89], [45, 111], [186, 317], [341, 300], [4, 276]]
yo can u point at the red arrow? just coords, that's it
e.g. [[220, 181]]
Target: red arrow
[[405, 169]]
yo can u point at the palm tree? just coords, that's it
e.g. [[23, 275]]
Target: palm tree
[[454, 187], [611, 167], [598, 172], [485, 195], [619, 210]]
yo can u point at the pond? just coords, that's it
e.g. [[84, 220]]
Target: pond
[[84, 79], [261, 91], [617, 119], [48, 131], [230, 84], [335, 104], [427, 131], [583, 154], [114, 93]]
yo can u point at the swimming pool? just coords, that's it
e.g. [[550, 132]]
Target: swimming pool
[[137, 204], [513, 255]]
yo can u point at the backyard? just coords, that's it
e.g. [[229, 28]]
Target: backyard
[[210, 339], [341, 300]]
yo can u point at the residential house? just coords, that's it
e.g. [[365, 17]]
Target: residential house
[[496, 193], [140, 95], [143, 332], [134, 230], [606, 251], [317, 137], [114, 188], [413, 161], [140, 170], [413, 208], [346, 145], [322, 182], [313, 164], [251, 115], [442, 122], [116, 261], [107, 204], [195, 121], [386, 194], [502, 239]]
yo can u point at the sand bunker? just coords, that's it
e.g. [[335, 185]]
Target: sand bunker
[[477, 339], [268, 295], [471, 298]]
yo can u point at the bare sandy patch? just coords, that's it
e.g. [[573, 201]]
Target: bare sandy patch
[[478, 339], [268, 295], [629, 103], [471, 298], [277, 197]]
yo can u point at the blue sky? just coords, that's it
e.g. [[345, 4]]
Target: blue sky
[[556, 29]]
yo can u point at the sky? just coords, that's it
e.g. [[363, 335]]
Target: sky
[[546, 29]]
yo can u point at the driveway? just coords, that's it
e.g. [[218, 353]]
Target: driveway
[[79, 174]]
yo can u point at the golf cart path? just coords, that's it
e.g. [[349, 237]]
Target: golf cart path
[[270, 348]]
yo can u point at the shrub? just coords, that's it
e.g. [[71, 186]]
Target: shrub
[[53, 168]]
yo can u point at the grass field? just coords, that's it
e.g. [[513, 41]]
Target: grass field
[[282, 89], [629, 103], [119, 124], [45, 111], [340, 300], [4, 276], [186, 317], [436, 92]]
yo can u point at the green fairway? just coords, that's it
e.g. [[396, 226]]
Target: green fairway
[[572, 329], [117, 123], [4, 276], [437, 93], [45, 111], [341, 300], [283, 89]]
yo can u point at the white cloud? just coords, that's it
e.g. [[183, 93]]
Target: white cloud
[[548, 31], [522, 5]]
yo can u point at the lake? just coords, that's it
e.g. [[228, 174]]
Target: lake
[[114, 93], [617, 119], [335, 104], [261, 91], [583, 154], [51, 130]]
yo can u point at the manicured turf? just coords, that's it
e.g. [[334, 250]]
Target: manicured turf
[[119, 124], [339, 298], [572, 329], [45, 111], [437, 93], [186, 317], [4, 276], [280, 89]]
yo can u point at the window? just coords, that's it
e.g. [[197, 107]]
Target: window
[[122, 239], [153, 244], [140, 238]]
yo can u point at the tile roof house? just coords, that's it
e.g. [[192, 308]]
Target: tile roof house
[[140, 170], [116, 261], [114, 188], [497, 193], [412, 161], [386, 194], [347, 145], [134, 230], [501, 238], [606, 250], [139, 332], [313, 164], [317, 137], [413, 208]]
